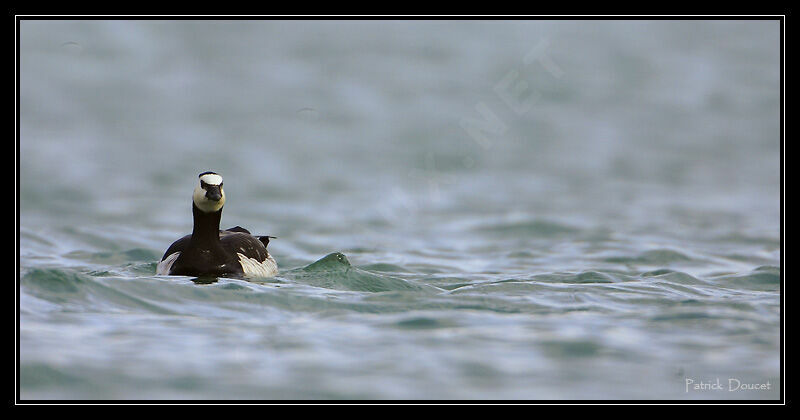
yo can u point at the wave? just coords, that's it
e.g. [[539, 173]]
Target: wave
[[334, 271], [539, 228], [652, 257], [125, 281], [763, 278], [79, 290]]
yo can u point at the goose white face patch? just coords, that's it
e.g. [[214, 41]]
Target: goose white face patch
[[211, 179], [199, 196]]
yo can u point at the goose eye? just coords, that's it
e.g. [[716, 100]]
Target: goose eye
[[203, 185]]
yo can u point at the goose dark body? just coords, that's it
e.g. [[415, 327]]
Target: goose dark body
[[209, 251]]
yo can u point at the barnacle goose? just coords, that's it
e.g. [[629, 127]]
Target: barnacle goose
[[209, 251]]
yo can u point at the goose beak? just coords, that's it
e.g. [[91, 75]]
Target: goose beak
[[213, 193]]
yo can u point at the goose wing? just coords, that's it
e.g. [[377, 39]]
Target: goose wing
[[245, 244], [180, 244], [238, 229], [177, 246]]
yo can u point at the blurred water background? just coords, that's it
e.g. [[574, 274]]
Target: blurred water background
[[513, 210]]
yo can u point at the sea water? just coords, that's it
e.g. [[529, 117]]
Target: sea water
[[464, 210]]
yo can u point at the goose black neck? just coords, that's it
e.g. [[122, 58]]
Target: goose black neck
[[206, 227]]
